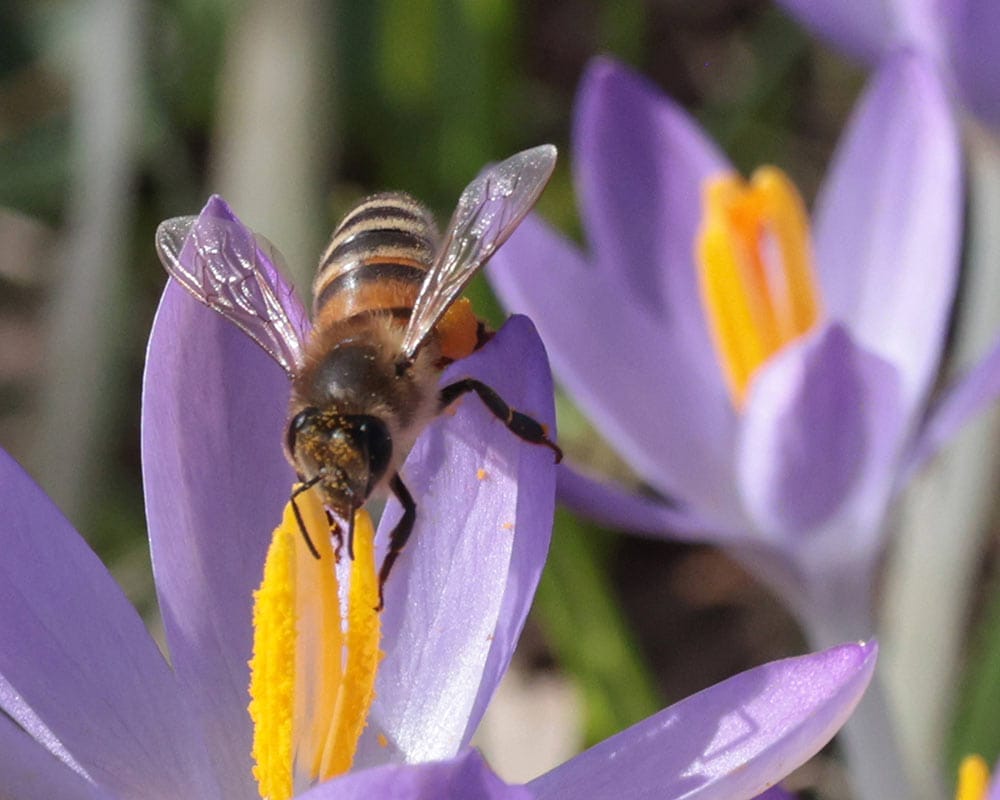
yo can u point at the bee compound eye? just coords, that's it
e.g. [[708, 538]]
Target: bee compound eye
[[376, 441], [298, 422]]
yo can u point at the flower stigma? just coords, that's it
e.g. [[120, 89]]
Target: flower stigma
[[758, 284], [315, 654], [973, 778]]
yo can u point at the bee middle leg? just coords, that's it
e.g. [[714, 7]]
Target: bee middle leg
[[400, 534], [521, 425]]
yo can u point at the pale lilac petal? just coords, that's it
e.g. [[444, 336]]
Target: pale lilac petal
[[215, 478], [973, 26], [613, 506], [976, 390], [76, 658], [464, 777], [821, 425], [640, 162], [889, 223], [30, 772], [861, 28], [457, 599], [622, 368], [993, 792], [729, 742]]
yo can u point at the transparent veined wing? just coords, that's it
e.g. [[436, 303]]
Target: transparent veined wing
[[488, 211], [229, 269]]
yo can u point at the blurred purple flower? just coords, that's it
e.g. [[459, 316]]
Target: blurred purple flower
[[92, 710], [959, 35], [798, 482]]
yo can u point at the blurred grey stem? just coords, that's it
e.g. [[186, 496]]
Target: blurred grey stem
[[945, 518], [870, 738], [272, 152], [85, 313]]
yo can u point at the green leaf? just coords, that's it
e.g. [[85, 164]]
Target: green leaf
[[977, 721]]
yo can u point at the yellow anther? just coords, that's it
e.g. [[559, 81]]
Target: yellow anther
[[973, 779], [312, 675], [758, 285]]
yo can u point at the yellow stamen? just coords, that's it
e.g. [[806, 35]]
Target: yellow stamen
[[973, 779], [756, 273], [312, 675]]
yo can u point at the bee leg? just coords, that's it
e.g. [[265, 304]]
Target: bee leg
[[337, 533], [350, 536], [304, 487], [399, 535], [521, 425]]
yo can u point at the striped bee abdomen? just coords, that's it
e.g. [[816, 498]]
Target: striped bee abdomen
[[376, 259]]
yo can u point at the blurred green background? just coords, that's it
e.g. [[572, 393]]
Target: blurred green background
[[116, 115]]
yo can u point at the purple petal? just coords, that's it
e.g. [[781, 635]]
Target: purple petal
[[613, 506], [30, 772], [976, 389], [458, 597], [776, 793], [889, 220], [972, 27], [80, 672], [820, 432], [465, 776], [728, 742], [993, 792], [216, 482], [632, 379], [640, 162], [861, 28]]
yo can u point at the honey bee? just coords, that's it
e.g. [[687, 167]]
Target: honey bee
[[387, 320]]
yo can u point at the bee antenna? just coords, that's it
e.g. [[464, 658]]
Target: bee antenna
[[305, 486], [350, 533]]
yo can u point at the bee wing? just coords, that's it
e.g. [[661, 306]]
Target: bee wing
[[233, 272], [488, 211]]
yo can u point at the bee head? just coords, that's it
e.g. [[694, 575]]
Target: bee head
[[348, 453]]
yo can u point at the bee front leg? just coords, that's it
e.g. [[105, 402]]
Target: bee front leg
[[521, 425], [338, 535], [304, 486], [400, 534]]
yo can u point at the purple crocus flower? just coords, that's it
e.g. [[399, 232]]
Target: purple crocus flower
[[792, 463], [93, 710], [960, 35], [797, 479]]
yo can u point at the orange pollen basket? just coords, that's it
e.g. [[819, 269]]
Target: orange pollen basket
[[758, 285]]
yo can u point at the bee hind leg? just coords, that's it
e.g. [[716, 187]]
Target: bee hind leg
[[521, 425], [399, 536]]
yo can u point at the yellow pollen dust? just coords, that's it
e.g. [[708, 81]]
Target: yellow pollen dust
[[312, 675], [973, 779], [758, 286]]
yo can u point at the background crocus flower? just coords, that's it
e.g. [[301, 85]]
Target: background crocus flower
[[960, 35], [797, 476], [92, 710]]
